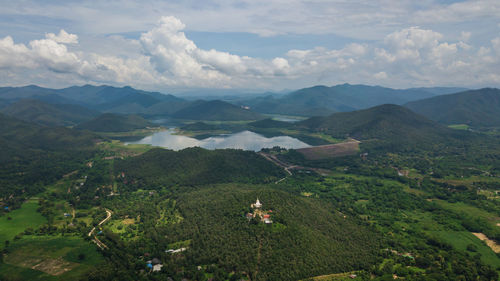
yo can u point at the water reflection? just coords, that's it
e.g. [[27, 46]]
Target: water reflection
[[245, 140]]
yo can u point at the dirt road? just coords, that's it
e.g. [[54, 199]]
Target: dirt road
[[96, 240]]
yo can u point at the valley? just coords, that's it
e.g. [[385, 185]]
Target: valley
[[372, 193]]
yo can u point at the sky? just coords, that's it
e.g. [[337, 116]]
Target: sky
[[252, 45]]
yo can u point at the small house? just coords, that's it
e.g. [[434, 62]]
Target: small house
[[157, 267]]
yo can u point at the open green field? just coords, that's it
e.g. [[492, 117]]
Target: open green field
[[22, 218], [461, 207], [461, 239], [459, 126], [49, 258], [136, 133], [120, 148]]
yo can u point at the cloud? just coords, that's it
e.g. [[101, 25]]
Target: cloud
[[164, 57], [361, 19], [380, 75], [62, 37], [175, 56], [460, 11]]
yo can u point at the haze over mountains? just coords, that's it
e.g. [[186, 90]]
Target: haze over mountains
[[76, 105], [322, 100], [314, 101]]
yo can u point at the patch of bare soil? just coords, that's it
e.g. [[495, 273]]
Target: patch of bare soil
[[331, 150], [492, 244]]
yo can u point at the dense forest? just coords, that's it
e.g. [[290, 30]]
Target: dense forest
[[40, 154], [110, 122], [159, 168]]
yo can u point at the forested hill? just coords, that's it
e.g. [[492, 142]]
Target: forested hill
[[23, 135], [43, 113], [110, 122], [389, 124], [477, 108], [41, 154], [216, 110], [193, 166], [308, 237]]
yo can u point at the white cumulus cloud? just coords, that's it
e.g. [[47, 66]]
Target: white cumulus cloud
[[63, 37], [164, 57]]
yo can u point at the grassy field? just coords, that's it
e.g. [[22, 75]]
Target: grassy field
[[121, 149], [22, 218], [459, 126], [136, 133], [461, 239], [470, 210], [49, 258]]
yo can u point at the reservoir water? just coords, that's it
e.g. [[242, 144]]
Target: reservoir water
[[245, 140]]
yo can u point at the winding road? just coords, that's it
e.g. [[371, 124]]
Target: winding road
[[96, 240], [287, 167]]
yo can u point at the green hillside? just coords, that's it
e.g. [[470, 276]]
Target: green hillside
[[160, 167], [387, 125], [299, 244], [40, 154], [110, 122], [216, 110], [270, 123], [477, 108], [199, 126], [49, 114]]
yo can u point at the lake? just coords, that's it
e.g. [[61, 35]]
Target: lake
[[245, 140]]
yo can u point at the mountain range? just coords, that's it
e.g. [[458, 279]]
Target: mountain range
[[322, 100], [48, 106], [74, 105]]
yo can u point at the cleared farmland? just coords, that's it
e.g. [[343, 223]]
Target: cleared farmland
[[331, 150]]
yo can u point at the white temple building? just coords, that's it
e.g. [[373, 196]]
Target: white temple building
[[257, 204]]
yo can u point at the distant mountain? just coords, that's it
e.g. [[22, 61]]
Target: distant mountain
[[42, 113], [110, 122], [387, 125], [3, 103], [127, 100], [477, 108], [166, 107], [103, 98], [16, 93], [215, 110], [322, 100], [440, 90]]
